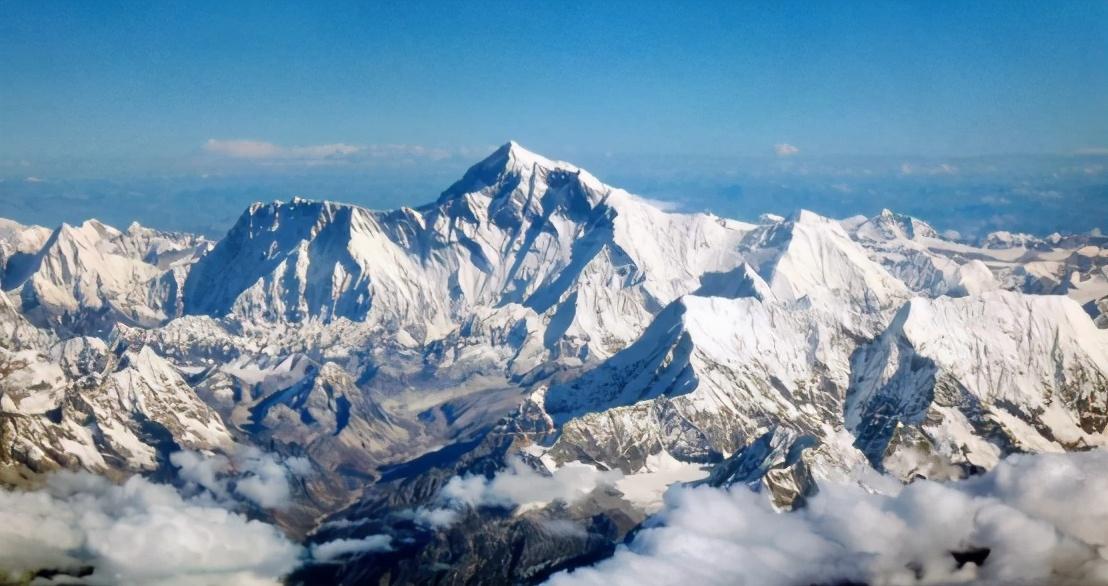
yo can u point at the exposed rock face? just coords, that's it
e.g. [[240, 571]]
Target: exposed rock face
[[776, 463]]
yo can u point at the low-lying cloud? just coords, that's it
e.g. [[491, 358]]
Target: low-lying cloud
[[247, 474], [520, 485], [1041, 519], [517, 487], [137, 533], [343, 547]]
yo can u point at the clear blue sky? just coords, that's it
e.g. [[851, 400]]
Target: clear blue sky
[[107, 80]]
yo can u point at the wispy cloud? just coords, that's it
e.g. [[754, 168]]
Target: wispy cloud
[[1095, 151], [265, 151], [922, 169], [342, 547], [785, 149], [261, 150]]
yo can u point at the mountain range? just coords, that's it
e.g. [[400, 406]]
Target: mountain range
[[534, 320]]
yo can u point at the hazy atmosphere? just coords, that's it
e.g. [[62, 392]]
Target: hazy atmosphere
[[797, 293]]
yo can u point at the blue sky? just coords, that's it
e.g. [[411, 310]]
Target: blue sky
[[103, 79], [384, 103]]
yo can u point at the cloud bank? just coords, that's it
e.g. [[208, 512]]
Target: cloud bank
[[1042, 519], [137, 533]]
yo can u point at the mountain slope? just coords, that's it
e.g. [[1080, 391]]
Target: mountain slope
[[517, 229], [964, 381], [812, 256], [86, 278], [708, 376]]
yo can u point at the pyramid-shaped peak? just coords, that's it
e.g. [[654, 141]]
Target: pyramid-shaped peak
[[509, 164], [512, 156], [809, 217], [892, 225]]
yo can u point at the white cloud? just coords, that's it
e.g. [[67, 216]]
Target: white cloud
[[33, 179], [917, 169], [262, 480], [205, 471], [518, 486], [785, 149], [300, 466], [248, 473], [342, 547], [433, 517], [1043, 518], [137, 533], [262, 150]]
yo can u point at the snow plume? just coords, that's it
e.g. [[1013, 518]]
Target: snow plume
[[519, 486], [1040, 520], [248, 473], [137, 533]]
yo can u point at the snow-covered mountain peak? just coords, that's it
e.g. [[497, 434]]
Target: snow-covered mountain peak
[[512, 174], [889, 225], [809, 217], [811, 255], [1004, 239], [517, 229]]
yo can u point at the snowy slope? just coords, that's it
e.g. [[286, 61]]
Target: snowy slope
[[517, 229], [964, 381], [708, 376], [18, 245], [813, 256], [86, 278], [931, 265]]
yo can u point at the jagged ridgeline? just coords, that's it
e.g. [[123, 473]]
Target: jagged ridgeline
[[533, 320]]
